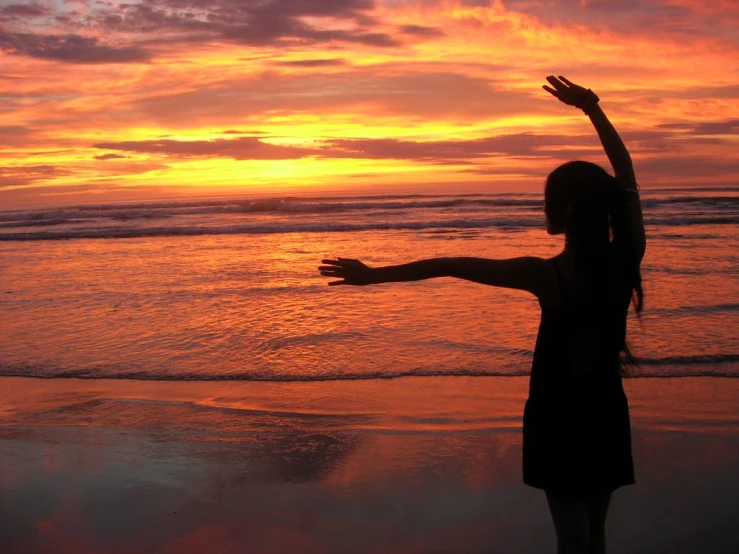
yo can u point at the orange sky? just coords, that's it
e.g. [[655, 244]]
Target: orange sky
[[105, 100]]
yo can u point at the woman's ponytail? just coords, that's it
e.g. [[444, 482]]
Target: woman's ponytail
[[592, 208]]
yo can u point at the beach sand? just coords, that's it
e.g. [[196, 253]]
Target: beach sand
[[409, 465]]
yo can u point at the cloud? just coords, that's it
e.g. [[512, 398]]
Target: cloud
[[237, 132], [109, 157], [10, 131], [518, 171], [418, 92], [522, 151], [703, 92], [17, 176], [244, 148], [676, 18], [455, 151], [421, 31], [728, 127], [24, 10], [685, 167], [134, 32], [312, 63], [69, 49], [99, 191], [437, 152]]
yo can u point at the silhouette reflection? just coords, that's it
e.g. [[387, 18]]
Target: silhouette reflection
[[300, 458]]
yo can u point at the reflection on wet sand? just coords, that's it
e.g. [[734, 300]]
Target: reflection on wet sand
[[414, 467]]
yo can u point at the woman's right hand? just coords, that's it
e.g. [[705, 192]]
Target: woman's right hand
[[353, 272]]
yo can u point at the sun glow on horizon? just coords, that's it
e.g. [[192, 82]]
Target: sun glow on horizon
[[350, 94]]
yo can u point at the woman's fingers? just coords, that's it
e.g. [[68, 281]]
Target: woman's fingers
[[341, 262], [557, 84], [568, 83], [334, 283], [550, 91]]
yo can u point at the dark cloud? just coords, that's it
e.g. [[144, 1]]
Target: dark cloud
[[100, 191], [253, 22], [456, 152], [728, 127], [703, 92], [49, 152], [686, 167], [109, 157], [624, 16], [299, 34], [133, 31], [24, 137], [24, 10], [413, 91], [313, 63], [244, 148], [421, 31], [13, 130], [69, 49], [237, 132], [14, 176], [525, 148], [520, 170]]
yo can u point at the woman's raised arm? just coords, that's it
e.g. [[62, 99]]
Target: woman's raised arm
[[586, 100]]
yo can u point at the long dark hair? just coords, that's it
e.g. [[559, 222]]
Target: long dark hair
[[592, 209]]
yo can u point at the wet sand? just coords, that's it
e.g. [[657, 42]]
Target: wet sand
[[410, 465]]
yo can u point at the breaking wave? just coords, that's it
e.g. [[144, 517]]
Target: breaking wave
[[666, 367], [306, 215]]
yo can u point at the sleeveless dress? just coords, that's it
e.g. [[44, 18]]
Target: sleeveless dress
[[576, 429]]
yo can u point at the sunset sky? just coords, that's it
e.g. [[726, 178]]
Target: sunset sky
[[142, 99]]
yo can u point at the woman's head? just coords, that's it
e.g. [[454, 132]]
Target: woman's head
[[578, 199]]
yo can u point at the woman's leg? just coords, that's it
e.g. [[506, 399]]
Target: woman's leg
[[570, 516], [597, 511]]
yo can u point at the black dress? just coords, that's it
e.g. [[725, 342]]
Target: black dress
[[576, 430]]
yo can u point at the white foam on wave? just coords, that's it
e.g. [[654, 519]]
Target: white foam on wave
[[142, 220], [668, 367], [267, 228]]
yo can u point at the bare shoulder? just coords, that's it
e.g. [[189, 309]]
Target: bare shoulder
[[532, 273], [549, 293]]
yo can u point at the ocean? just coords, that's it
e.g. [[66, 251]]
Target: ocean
[[228, 289]]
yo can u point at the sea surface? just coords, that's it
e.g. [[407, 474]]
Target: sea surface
[[219, 289]]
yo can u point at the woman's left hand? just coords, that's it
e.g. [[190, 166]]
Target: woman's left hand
[[353, 272], [567, 91]]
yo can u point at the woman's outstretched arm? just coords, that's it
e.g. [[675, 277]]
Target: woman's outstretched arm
[[586, 100], [526, 273]]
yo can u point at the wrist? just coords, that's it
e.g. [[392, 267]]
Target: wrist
[[589, 103], [375, 276]]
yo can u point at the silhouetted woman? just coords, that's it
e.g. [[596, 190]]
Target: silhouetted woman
[[576, 432]]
